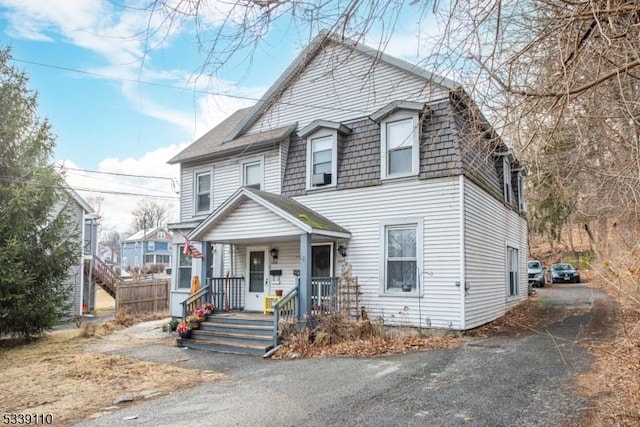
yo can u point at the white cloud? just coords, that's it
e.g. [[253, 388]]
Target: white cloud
[[117, 208]]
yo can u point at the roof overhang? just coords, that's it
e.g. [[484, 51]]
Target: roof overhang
[[323, 124], [394, 106]]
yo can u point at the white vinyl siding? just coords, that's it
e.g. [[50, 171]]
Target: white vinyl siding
[[334, 72], [489, 228], [362, 211], [227, 179], [251, 220]]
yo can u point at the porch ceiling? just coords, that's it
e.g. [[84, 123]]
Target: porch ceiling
[[251, 215]]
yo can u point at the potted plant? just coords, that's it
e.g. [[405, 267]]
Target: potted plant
[[201, 315], [173, 323], [183, 329], [192, 321], [208, 307]]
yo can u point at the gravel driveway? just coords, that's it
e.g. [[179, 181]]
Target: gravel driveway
[[503, 380]]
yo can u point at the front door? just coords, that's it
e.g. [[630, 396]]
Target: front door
[[321, 260], [257, 276]]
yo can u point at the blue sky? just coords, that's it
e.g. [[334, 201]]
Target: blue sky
[[123, 103]]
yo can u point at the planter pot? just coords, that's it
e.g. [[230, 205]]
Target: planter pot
[[278, 292], [185, 334]]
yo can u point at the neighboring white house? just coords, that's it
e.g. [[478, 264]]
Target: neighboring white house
[[355, 157]]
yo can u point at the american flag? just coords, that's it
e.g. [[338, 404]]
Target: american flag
[[190, 250]]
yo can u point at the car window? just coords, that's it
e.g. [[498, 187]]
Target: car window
[[534, 264]]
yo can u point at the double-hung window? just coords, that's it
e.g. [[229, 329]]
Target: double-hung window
[[513, 286], [399, 144], [252, 175], [160, 234], [401, 262], [321, 156], [321, 159], [203, 186], [184, 269]]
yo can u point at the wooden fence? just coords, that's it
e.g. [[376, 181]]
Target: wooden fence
[[143, 295]]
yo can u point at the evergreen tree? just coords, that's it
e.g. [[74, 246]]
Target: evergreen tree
[[38, 242]]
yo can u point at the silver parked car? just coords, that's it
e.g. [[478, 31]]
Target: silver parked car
[[535, 272]]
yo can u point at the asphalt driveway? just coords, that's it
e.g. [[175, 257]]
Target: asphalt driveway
[[503, 380]]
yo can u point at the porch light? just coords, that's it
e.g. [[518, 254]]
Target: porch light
[[342, 249], [274, 255]]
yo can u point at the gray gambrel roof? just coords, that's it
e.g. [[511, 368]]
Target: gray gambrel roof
[[308, 220]]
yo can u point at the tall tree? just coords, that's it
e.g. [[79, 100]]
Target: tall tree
[[149, 214], [112, 242], [38, 242]]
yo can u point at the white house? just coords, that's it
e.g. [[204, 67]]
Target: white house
[[355, 157]]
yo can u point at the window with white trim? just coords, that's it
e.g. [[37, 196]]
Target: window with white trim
[[163, 259], [184, 269], [400, 145], [402, 257], [506, 175], [251, 174], [322, 159], [160, 234], [522, 206], [513, 270], [151, 246], [202, 187]]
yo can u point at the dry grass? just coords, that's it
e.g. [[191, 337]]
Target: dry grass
[[613, 382], [334, 335], [55, 375]]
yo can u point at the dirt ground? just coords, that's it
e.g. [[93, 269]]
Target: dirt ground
[[73, 377]]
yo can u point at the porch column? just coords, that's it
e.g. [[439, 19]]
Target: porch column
[[206, 262], [305, 275]]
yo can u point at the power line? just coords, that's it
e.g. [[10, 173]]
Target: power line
[[201, 91], [116, 173], [90, 190]]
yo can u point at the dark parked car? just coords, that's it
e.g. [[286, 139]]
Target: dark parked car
[[535, 271], [564, 273]]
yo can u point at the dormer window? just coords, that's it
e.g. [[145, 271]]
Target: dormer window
[[322, 152], [252, 173], [202, 193], [322, 161], [399, 138], [506, 178]]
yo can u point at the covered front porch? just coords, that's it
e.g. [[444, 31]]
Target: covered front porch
[[260, 249]]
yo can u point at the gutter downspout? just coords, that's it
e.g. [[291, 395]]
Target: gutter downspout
[[463, 277]]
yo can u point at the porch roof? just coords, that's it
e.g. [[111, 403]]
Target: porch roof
[[249, 211]]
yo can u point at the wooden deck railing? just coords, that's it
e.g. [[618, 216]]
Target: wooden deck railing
[[196, 300], [103, 275], [286, 309]]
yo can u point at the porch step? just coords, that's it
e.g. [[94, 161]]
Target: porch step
[[233, 333]]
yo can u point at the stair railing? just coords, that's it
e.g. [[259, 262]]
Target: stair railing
[[286, 309], [196, 300]]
